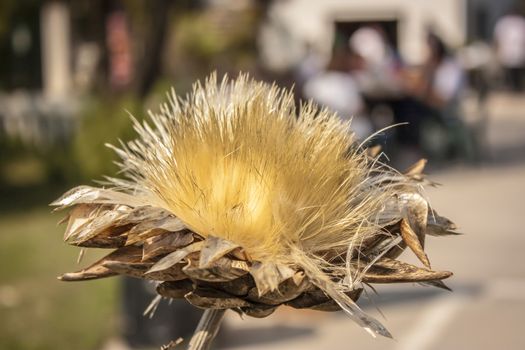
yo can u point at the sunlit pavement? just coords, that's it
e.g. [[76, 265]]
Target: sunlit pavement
[[486, 309]]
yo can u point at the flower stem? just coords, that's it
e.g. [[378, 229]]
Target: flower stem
[[206, 330]]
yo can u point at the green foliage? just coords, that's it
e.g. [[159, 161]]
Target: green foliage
[[22, 164], [82, 156], [202, 41], [102, 121]]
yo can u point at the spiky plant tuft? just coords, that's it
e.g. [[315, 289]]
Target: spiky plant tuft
[[234, 198]]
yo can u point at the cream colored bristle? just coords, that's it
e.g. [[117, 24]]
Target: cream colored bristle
[[238, 160]]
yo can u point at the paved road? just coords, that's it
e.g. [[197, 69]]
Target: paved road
[[486, 309]]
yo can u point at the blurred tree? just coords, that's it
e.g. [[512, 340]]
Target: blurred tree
[[151, 67], [221, 37], [19, 44]]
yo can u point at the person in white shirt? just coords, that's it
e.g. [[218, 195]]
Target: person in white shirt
[[509, 39], [432, 94], [336, 89], [443, 76]]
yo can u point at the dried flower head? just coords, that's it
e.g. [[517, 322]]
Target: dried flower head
[[233, 198]]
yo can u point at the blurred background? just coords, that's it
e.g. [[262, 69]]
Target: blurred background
[[71, 72]]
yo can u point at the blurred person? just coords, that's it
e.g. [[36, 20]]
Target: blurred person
[[368, 42], [309, 66], [432, 104], [443, 78], [375, 65], [371, 43], [336, 89], [509, 39], [479, 60], [379, 65]]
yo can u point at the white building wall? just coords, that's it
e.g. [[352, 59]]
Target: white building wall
[[311, 21]]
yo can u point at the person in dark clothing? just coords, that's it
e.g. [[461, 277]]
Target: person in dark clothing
[[432, 93]]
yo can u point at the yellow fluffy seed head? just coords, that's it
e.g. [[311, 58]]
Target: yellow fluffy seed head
[[237, 160]]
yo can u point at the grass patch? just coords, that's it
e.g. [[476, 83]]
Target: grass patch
[[23, 171], [38, 311]]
